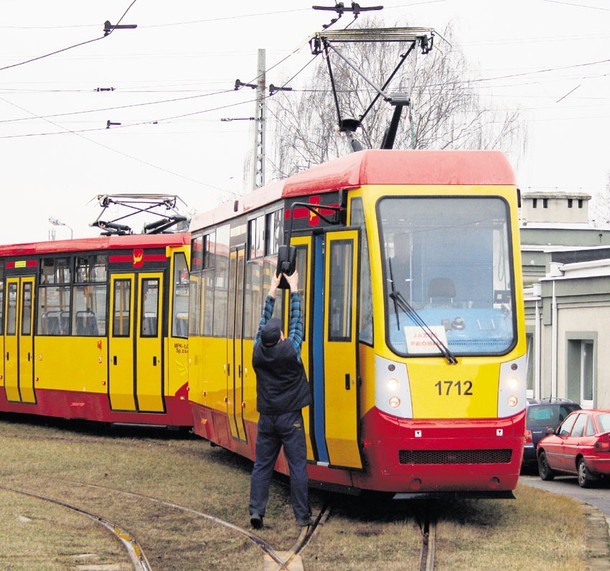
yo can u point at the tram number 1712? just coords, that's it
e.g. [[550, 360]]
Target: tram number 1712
[[457, 388]]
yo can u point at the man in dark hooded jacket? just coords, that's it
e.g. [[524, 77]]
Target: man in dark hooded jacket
[[282, 391]]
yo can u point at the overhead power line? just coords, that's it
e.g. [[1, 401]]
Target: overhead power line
[[108, 29]]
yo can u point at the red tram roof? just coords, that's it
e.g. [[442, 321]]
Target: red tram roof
[[373, 167], [96, 243], [403, 167]]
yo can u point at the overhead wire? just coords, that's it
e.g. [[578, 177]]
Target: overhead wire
[[43, 56], [115, 108], [132, 157]]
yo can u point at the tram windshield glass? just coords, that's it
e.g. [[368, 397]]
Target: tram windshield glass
[[447, 275]]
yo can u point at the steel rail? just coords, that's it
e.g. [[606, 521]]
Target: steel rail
[[134, 550], [261, 543], [428, 547]]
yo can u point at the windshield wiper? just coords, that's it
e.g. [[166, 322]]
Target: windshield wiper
[[401, 303]]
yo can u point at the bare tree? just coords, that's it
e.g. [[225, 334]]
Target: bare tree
[[600, 205], [445, 111]]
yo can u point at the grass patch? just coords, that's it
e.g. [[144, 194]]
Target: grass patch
[[88, 466]]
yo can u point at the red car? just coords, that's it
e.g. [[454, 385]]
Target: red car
[[580, 445]]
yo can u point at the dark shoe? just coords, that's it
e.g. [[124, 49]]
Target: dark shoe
[[256, 521], [305, 522]]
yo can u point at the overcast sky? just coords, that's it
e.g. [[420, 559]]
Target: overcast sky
[[172, 82]]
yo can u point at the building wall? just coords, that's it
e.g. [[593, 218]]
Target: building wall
[[555, 207], [582, 315]]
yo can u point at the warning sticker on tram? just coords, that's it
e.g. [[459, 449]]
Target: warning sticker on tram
[[419, 341]]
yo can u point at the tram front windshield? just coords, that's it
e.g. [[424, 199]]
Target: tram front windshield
[[447, 275]]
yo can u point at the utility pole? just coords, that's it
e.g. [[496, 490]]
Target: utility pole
[[258, 170]]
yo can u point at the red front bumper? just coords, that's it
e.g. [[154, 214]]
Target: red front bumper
[[478, 455]]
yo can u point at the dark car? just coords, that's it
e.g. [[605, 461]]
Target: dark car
[[580, 445], [543, 417]]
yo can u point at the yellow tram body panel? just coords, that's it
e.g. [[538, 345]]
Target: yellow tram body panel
[[88, 364]]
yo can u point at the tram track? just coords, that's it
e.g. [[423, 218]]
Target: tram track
[[427, 526], [133, 548], [305, 537], [283, 561]]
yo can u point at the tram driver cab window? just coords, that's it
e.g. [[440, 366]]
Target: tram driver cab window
[[401, 264]]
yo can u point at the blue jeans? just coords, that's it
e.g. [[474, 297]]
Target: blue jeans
[[273, 432]]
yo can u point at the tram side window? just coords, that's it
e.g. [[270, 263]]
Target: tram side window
[[366, 295], [202, 282], [91, 269], [264, 234], [340, 298], [253, 297], [194, 321], [273, 232], [121, 308], [180, 316], [1, 303], [207, 298], [26, 304], [54, 297], [89, 310], [149, 312], [256, 238], [55, 271], [196, 254], [254, 276], [208, 279], [11, 315], [89, 297], [54, 310], [221, 282]]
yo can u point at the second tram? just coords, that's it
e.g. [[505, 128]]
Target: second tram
[[96, 329], [409, 266]]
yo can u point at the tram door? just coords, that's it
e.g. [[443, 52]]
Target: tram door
[[340, 387], [136, 342], [19, 341], [235, 354]]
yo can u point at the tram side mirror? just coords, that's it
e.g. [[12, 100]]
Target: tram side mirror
[[286, 264]]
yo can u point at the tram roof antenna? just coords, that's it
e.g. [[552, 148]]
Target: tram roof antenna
[[134, 204], [324, 42]]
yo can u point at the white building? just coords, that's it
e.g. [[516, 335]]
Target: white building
[[566, 274]]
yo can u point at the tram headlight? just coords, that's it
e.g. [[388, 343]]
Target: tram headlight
[[511, 394], [392, 385], [392, 388]]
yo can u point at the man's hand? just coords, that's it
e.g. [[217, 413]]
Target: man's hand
[[275, 281], [293, 281]]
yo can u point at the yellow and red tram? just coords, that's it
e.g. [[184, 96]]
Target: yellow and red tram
[[96, 329], [414, 326]]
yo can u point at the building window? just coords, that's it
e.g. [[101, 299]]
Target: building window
[[581, 371], [545, 203], [570, 203]]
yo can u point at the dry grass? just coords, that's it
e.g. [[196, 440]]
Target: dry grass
[[88, 467]]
